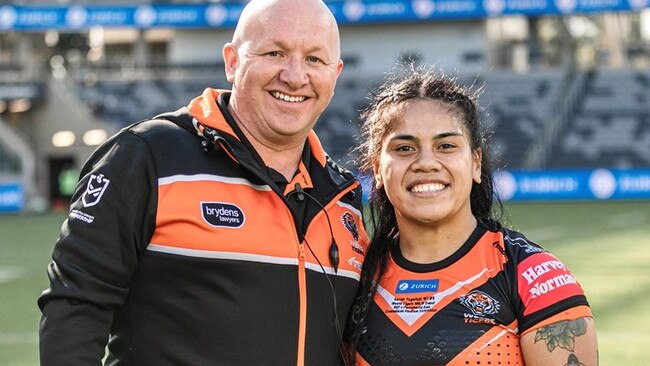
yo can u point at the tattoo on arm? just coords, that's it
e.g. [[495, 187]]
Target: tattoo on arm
[[562, 334], [573, 361]]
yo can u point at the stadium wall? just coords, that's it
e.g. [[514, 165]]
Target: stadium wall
[[454, 45], [190, 46], [372, 48]]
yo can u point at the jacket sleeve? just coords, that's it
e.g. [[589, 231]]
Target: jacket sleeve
[[111, 219]]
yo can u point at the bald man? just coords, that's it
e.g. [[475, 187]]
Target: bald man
[[221, 233]]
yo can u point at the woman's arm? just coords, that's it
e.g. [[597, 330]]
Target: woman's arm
[[563, 343]]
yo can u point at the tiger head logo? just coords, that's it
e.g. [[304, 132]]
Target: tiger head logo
[[351, 224], [480, 303]]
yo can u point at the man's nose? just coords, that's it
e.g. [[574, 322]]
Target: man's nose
[[293, 73]]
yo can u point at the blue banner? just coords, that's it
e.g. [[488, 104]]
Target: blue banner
[[34, 18], [550, 185], [225, 15], [564, 185], [11, 197]]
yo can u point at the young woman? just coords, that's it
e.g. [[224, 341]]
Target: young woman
[[444, 283]]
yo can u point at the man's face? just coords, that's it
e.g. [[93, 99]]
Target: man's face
[[283, 69]]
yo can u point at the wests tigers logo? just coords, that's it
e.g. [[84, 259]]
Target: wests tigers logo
[[480, 303], [351, 224]]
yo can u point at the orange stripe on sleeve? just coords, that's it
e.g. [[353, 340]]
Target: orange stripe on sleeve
[[571, 314]]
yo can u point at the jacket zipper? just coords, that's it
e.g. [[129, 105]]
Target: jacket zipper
[[302, 290], [302, 255]]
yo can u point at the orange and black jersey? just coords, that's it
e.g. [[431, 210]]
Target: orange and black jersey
[[193, 257], [471, 308]]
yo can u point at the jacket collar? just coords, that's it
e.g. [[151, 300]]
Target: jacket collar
[[207, 112]]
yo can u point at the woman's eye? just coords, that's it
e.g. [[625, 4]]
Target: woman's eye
[[404, 148]]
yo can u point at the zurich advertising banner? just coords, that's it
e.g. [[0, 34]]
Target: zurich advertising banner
[[564, 185], [75, 17], [598, 184], [34, 18], [11, 197]]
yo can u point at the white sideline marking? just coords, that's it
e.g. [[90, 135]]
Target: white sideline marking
[[8, 274], [627, 219], [19, 338]]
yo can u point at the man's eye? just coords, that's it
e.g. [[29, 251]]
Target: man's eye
[[274, 53], [313, 59]]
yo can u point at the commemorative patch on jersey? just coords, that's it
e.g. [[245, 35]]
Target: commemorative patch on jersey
[[95, 189], [220, 214]]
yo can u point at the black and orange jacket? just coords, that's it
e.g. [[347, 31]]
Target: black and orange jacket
[[193, 257], [471, 308]]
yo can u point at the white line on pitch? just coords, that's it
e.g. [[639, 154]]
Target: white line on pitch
[[18, 338], [8, 274]]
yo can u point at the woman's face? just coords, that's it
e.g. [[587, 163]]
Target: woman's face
[[427, 166]]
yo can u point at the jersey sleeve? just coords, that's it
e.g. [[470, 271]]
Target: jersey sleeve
[[111, 218], [546, 289]]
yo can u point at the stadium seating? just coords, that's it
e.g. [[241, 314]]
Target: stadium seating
[[123, 98], [611, 123], [517, 107], [9, 162]]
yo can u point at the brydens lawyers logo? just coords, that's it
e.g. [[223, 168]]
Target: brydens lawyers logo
[[221, 214], [416, 286], [95, 189]]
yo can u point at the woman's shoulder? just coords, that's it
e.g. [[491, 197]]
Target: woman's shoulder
[[515, 244]]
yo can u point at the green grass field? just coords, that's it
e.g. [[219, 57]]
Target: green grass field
[[606, 245]]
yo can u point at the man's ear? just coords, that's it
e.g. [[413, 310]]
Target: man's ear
[[230, 59], [339, 67]]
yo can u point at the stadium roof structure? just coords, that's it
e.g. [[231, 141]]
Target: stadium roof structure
[[77, 15]]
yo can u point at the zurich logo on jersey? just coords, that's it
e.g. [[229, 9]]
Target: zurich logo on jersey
[[416, 286]]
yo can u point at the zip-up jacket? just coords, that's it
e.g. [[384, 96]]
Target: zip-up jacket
[[182, 249]]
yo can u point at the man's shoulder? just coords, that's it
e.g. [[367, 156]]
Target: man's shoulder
[[344, 173], [171, 122]]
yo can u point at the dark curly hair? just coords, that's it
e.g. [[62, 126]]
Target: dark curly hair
[[405, 85]]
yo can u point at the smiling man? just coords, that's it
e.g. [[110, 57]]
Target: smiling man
[[219, 234], [283, 68]]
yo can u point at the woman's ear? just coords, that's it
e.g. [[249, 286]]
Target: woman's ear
[[378, 182], [376, 175], [477, 157]]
